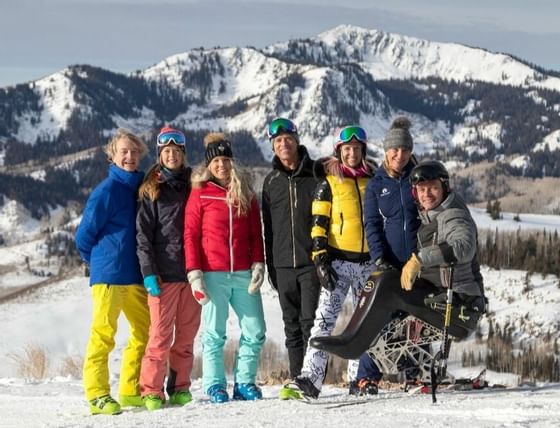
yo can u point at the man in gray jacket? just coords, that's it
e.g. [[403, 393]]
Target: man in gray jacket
[[447, 237]]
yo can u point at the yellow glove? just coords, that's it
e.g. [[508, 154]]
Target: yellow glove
[[409, 272]]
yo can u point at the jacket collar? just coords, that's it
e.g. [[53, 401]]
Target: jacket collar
[[173, 178], [129, 179]]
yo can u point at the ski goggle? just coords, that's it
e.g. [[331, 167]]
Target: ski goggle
[[349, 132], [281, 126], [167, 137]]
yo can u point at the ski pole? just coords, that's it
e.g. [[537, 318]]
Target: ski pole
[[443, 354]]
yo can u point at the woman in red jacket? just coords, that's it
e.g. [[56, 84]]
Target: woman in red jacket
[[225, 264]]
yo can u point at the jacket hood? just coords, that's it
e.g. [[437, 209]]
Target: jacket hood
[[200, 175]]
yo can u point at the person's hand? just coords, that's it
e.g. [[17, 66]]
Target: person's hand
[[410, 272], [257, 277], [327, 275], [151, 284], [198, 287], [383, 265]]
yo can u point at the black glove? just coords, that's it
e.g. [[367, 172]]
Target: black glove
[[86, 270], [381, 264], [327, 275]]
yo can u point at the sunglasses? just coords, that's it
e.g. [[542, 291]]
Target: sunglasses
[[281, 126], [175, 137], [349, 132]]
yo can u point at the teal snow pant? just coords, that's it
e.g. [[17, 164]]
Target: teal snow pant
[[225, 288]]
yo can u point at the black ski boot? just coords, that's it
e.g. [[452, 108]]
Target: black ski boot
[[364, 386], [306, 386]]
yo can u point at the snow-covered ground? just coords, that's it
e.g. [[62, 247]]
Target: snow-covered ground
[[540, 222], [57, 318], [59, 403]]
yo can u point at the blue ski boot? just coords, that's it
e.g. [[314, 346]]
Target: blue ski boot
[[246, 391], [218, 393]]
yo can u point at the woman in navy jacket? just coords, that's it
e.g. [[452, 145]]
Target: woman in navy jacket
[[391, 216]]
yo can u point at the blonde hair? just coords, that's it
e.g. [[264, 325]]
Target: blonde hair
[[239, 191], [111, 148], [392, 173]]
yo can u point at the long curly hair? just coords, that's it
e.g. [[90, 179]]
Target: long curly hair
[[149, 189]]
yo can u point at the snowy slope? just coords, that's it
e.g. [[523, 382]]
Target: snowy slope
[[541, 222], [57, 319], [59, 403], [552, 140]]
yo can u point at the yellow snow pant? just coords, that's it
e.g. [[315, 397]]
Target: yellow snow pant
[[108, 302]]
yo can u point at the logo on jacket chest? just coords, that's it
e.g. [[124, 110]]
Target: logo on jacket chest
[[384, 192]]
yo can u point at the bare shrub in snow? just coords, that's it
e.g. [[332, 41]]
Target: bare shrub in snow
[[32, 364], [72, 366]]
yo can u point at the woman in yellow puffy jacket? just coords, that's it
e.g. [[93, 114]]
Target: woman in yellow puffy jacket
[[340, 251]]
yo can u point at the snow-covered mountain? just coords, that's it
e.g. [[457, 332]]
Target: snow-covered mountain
[[466, 105], [463, 101], [394, 56]]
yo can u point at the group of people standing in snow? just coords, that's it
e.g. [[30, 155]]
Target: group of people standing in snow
[[194, 239]]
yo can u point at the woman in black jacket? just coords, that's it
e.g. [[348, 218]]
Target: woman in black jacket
[[160, 224]]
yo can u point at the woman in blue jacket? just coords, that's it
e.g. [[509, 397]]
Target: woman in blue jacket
[[106, 239], [391, 218]]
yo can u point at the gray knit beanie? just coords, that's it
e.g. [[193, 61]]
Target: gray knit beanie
[[398, 135]]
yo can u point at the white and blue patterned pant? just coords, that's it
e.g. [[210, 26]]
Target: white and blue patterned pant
[[352, 276]]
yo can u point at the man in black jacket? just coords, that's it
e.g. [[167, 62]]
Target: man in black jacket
[[286, 203]]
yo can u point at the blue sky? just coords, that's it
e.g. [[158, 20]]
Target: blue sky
[[38, 37]]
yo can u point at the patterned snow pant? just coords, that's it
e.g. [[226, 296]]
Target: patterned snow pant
[[352, 276]]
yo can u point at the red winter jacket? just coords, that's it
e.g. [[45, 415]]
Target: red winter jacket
[[216, 238]]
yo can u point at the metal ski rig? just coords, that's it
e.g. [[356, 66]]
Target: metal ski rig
[[405, 343]]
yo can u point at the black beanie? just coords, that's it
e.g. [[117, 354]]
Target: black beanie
[[218, 148]]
